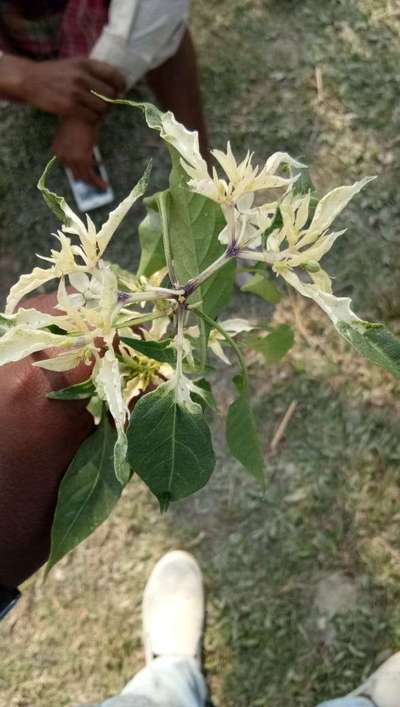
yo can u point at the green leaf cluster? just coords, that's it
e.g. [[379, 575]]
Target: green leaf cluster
[[167, 441]]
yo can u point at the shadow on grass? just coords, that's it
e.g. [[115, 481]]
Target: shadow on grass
[[331, 507]]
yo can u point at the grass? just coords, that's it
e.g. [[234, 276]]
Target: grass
[[331, 508]]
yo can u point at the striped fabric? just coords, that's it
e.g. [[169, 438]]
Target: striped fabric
[[50, 29]]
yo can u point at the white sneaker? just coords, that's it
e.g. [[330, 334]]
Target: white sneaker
[[173, 608], [383, 686]]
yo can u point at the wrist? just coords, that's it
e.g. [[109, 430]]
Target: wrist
[[13, 74]]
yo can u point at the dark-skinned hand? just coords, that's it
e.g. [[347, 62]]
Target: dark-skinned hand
[[38, 439]]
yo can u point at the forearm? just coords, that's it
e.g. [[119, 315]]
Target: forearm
[[38, 438]]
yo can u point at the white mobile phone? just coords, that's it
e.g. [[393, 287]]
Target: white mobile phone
[[86, 196]]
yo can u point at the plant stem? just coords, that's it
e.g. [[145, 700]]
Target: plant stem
[[230, 219], [263, 257], [218, 327], [165, 235], [195, 282], [180, 323], [134, 321], [156, 293]]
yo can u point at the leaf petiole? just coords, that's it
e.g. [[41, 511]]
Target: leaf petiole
[[195, 282], [218, 327], [161, 201]]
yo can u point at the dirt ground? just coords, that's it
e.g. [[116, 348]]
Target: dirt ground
[[303, 584]]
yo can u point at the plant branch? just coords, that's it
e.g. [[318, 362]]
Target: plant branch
[[264, 257], [161, 199], [195, 282], [139, 319], [155, 293], [229, 339], [180, 323]]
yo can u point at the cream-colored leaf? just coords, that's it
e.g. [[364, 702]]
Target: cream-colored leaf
[[338, 309], [333, 203], [228, 162], [63, 362], [27, 284], [278, 159], [288, 218], [303, 209], [108, 382], [321, 280], [17, 343], [236, 325], [115, 217], [186, 142], [217, 349], [79, 281], [316, 251], [33, 319]]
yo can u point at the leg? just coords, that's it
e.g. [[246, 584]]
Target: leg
[[166, 682], [382, 689], [176, 86], [348, 702], [173, 617]]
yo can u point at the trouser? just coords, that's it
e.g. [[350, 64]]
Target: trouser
[[177, 682], [166, 682]]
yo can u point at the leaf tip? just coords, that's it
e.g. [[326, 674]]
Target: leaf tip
[[164, 500]]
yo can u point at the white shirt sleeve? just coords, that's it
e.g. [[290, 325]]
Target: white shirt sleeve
[[141, 34]]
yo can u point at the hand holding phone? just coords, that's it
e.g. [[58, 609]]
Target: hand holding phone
[[86, 196]]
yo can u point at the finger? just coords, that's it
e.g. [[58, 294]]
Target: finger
[[105, 89], [78, 171], [92, 103], [96, 181], [107, 73], [88, 174], [82, 112]]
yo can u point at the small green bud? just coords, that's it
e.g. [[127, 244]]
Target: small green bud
[[312, 266]]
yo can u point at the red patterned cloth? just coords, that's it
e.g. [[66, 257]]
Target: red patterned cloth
[[48, 29], [82, 23]]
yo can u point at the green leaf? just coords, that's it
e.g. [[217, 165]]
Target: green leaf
[[157, 350], [79, 391], [242, 436], [194, 224], [303, 183], [152, 114], [127, 281], [213, 324], [152, 256], [377, 344], [54, 329], [207, 398], [169, 447], [121, 467], [88, 492], [274, 346], [277, 223], [262, 286], [56, 204]]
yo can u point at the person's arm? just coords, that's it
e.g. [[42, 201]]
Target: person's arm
[[140, 36], [62, 87], [73, 146], [38, 439]]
